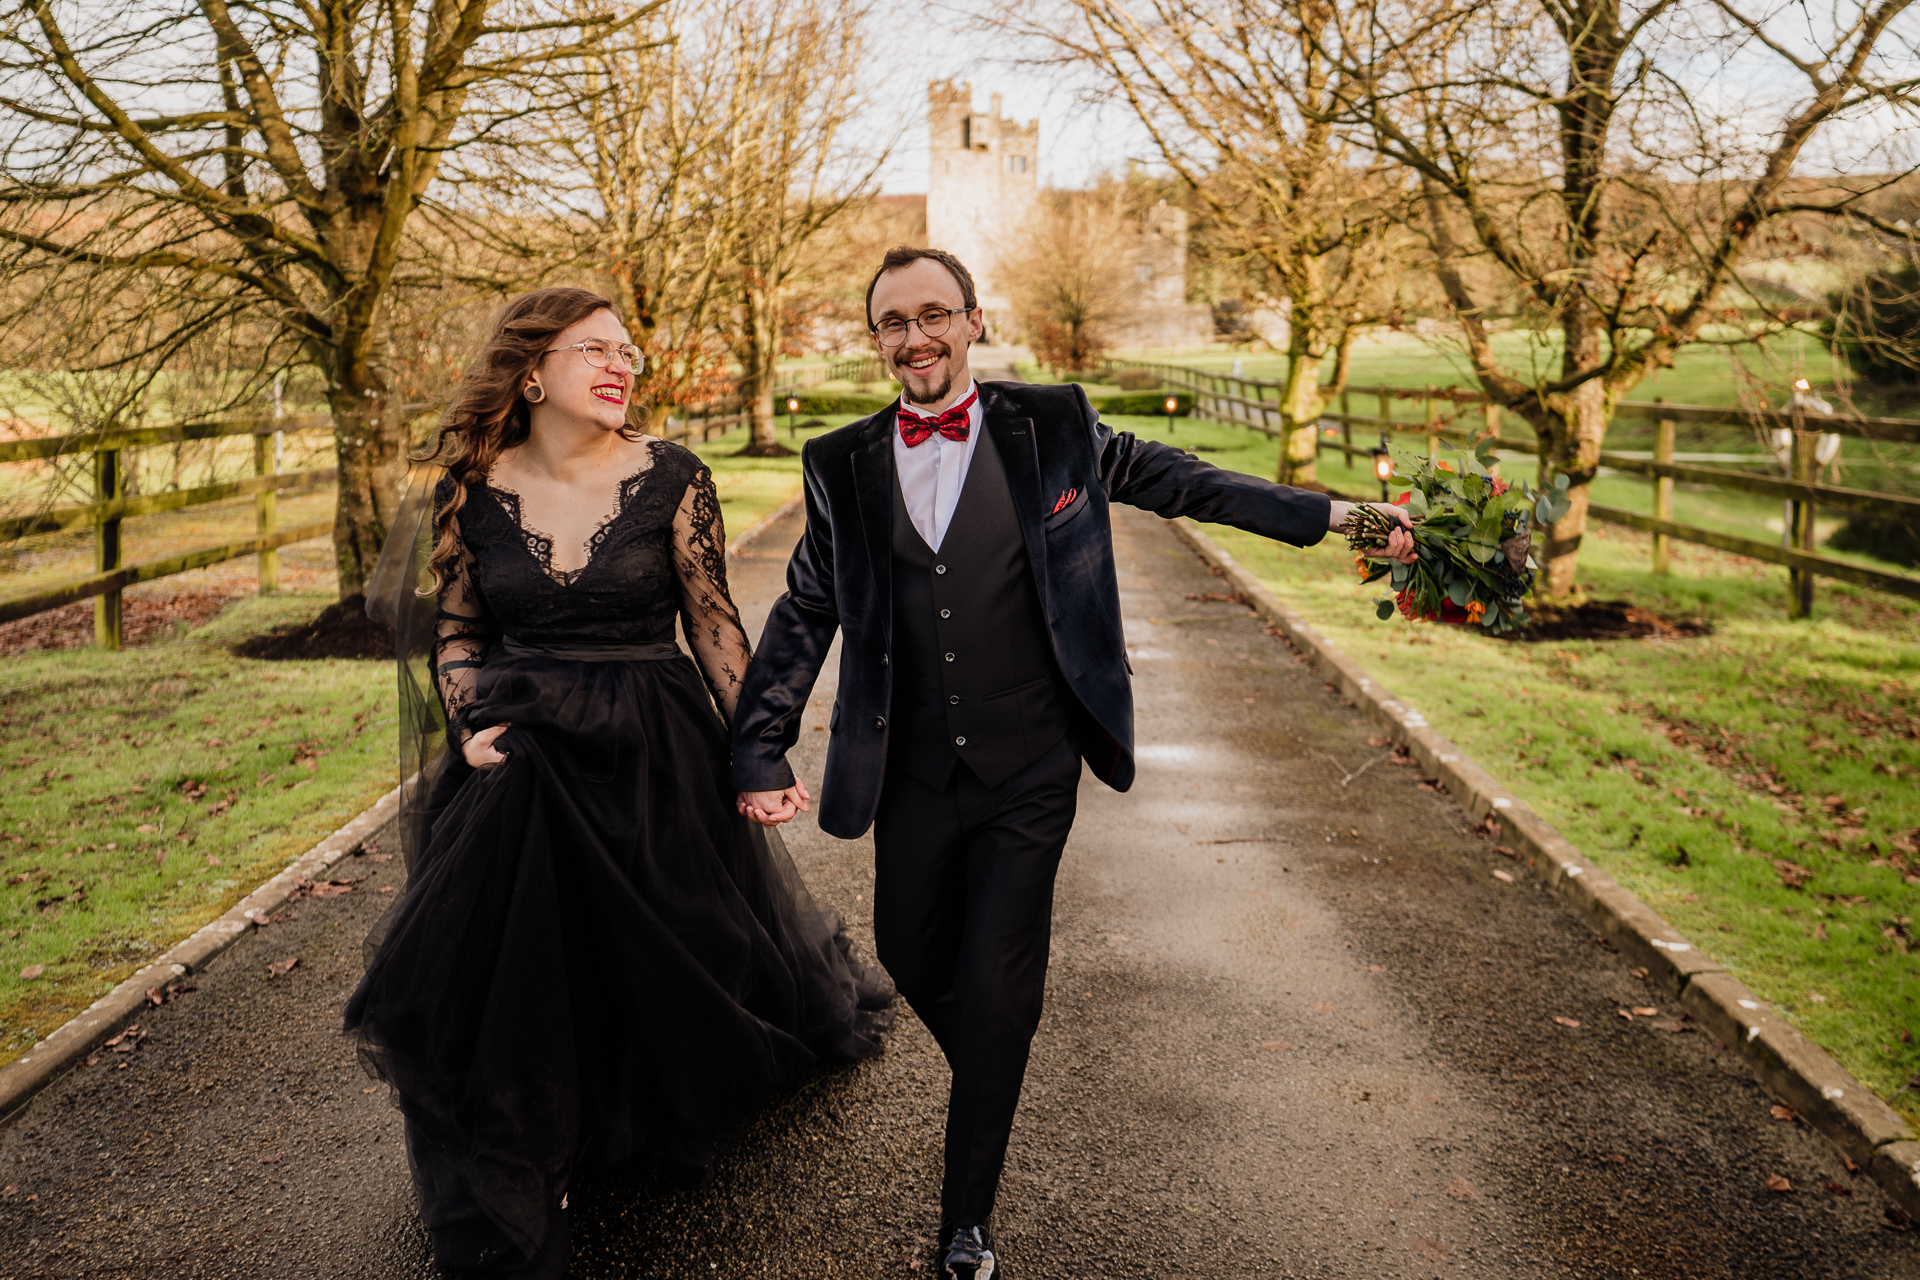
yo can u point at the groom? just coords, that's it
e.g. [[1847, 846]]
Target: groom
[[960, 540]]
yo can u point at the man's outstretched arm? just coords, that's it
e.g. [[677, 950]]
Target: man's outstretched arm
[[799, 632], [1172, 482]]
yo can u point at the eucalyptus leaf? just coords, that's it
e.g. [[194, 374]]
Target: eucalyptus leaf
[[1560, 482], [1400, 574], [1460, 591], [1383, 609]]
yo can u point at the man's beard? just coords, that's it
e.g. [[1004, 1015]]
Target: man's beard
[[934, 395]]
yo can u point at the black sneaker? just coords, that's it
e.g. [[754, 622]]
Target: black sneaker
[[970, 1255]]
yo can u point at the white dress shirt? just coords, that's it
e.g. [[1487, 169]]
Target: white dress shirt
[[932, 472]]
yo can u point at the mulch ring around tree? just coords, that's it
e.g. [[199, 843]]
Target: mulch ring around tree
[[342, 630], [143, 619], [1605, 620]]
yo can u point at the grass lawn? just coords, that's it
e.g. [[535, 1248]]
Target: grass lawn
[[1755, 786], [110, 849]]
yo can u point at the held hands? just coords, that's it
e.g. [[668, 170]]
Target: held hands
[[480, 751], [771, 808], [1399, 542]]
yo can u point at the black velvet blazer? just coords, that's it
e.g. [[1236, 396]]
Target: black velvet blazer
[[1064, 466]]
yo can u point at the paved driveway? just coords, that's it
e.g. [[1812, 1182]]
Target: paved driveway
[[1293, 1029]]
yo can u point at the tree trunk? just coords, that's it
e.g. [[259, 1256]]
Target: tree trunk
[[1300, 407], [368, 441], [1570, 438], [759, 358]]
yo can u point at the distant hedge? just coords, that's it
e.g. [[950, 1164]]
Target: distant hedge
[[825, 402], [1145, 404]]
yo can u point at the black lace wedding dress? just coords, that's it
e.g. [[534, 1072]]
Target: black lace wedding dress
[[597, 960]]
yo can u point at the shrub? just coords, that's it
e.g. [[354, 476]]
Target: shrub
[[1144, 404], [1136, 379], [1879, 536]]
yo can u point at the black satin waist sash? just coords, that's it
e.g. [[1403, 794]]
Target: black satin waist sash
[[637, 651]]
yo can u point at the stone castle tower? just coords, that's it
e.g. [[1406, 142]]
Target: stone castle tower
[[982, 182]]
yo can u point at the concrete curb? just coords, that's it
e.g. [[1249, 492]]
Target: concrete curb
[[52, 1057], [48, 1060], [1865, 1129]]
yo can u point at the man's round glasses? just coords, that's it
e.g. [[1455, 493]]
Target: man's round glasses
[[600, 354], [934, 322]]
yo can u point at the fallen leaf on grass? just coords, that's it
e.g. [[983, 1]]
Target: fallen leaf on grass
[[1502, 849], [32, 971], [1792, 874], [1637, 973], [1431, 1250], [1645, 1011], [1782, 1112], [1461, 1189], [1569, 1022], [1851, 1166], [1503, 876], [1624, 1013], [379, 857], [1838, 1188], [280, 968], [146, 828], [1671, 1027], [386, 888], [1777, 1183], [128, 1040], [1897, 1219], [1277, 1046]]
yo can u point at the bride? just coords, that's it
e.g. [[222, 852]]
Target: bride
[[597, 959]]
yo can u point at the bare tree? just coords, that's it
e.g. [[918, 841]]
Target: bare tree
[[1069, 274], [1238, 97], [1601, 171], [802, 69], [261, 162]]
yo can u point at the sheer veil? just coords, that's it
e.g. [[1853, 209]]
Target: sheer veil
[[401, 598]]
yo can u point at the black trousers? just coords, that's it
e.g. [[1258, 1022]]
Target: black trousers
[[963, 914]]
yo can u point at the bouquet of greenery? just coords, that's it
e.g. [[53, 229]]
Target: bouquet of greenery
[[1471, 533]]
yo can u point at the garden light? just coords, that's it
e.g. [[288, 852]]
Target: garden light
[[1382, 466], [793, 407], [1172, 403]]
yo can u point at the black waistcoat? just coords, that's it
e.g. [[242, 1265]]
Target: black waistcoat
[[974, 676]]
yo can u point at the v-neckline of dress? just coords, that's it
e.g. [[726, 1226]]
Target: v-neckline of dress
[[539, 546]]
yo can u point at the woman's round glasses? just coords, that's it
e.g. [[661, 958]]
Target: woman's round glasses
[[600, 354], [934, 322]]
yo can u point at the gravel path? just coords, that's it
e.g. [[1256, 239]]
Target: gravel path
[[1293, 1029]]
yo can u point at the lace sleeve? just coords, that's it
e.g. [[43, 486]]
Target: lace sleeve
[[706, 609], [463, 631]]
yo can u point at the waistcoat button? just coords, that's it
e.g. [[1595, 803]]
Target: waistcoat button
[[879, 722], [949, 657], [954, 701], [883, 659], [959, 742], [939, 568], [946, 613]]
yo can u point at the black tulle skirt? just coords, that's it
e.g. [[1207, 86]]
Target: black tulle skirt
[[597, 960]]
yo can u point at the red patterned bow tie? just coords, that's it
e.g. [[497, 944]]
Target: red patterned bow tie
[[952, 423]]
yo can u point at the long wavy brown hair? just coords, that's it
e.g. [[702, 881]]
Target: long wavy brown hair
[[488, 414]]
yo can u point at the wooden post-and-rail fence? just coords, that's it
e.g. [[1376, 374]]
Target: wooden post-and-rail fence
[[111, 505], [1467, 417]]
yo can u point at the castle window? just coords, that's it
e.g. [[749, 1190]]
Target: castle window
[[1016, 164], [1144, 272], [966, 134]]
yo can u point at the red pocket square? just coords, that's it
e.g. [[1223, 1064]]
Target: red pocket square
[[1066, 500]]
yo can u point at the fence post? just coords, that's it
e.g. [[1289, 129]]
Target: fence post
[[266, 508], [108, 484], [1346, 428], [1800, 527], [1662, 490]]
